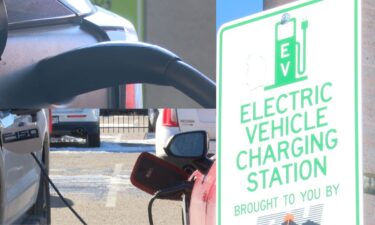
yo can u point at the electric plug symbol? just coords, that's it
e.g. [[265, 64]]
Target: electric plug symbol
[[290, 52], [304, 25]]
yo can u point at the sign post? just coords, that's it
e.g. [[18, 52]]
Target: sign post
[[290, 116]]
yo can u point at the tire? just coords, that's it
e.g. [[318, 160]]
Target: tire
[[152, 117], [151, 127], [41, 210], [93, 140]]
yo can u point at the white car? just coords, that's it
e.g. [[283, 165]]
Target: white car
[[81, 123], [24, 193], [173, 121]]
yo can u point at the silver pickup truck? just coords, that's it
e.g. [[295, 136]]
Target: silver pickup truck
[[24, 194]]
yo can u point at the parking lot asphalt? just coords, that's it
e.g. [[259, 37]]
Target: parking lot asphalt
[[96, 183]]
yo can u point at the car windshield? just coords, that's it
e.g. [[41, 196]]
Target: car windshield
[[23, 11]]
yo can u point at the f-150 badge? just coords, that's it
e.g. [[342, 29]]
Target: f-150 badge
[[20, 135]]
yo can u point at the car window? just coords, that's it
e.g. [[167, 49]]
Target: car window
[[21, 10], [6, 119]]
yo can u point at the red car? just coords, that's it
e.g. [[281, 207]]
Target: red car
[[166, 181], [203, 199]]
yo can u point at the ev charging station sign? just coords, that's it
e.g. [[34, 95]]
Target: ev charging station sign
[[290, 116]]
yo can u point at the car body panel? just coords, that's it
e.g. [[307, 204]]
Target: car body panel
[[198, 119], [202, 208], [44, 34], [31, 38], [20, 175], [77, 122], [41, 42], [76, 115]]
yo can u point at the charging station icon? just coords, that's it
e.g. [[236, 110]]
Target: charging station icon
[[290, 64]]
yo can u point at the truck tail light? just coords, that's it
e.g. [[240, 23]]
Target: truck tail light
[[77, 116], [133, 96], [170, 118], [130, 96]]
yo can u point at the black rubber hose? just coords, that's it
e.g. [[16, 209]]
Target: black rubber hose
[[184, 187], [57, 190], [62, 77], [149, 208]]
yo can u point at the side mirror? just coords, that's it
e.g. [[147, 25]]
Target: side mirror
[[191, 145], [151, 174], [21, 138]]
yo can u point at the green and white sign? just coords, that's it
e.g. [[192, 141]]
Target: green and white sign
[[290, 116]]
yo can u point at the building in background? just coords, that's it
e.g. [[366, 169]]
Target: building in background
[[188, 29]]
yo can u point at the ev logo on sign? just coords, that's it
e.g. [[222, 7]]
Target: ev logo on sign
[[290, 56]]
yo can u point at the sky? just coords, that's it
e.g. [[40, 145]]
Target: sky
[[230, 10]]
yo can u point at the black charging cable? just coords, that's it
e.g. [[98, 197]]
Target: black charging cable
[[57, 190], [183, 188]]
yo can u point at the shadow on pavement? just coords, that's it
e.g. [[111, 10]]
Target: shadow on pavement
[[68, 144], [56, 202]]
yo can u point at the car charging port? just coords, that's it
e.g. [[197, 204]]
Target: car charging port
[[189, 169]]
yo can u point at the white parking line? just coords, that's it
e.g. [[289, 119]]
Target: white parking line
[[113, 187], [118, 138]]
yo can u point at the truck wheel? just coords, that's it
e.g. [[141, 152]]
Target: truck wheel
[[41, 210], [152, 117], [93, 140], [151, 127]]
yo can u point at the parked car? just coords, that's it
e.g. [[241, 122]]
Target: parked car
[[24, 192], [164, 180], [81, 123], [36, 29], [174, 121]]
